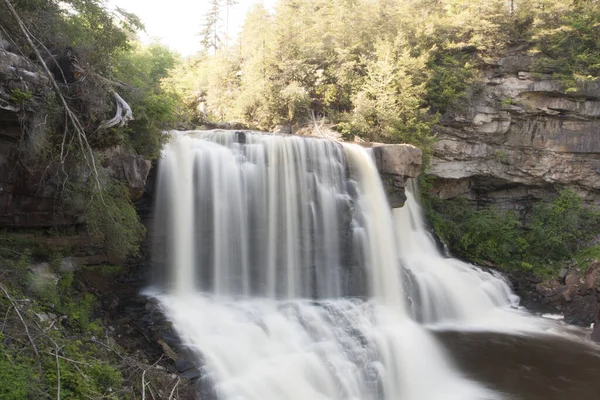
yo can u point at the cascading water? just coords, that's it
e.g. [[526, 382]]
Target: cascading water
[[443, 288], [277, 263], [445, 292]]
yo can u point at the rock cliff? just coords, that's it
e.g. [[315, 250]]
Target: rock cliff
[[29, 189], [518, 136]]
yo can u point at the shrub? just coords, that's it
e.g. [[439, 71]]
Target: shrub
[[112, 216], [553, 231]]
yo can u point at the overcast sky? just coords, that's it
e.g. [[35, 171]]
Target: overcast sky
[[177, 23]]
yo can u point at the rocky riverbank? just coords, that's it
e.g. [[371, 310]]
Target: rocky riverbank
[[572, 293]]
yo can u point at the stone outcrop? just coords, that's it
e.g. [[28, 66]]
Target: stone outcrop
[[573, 293], [20, 80], [131, 169], [396, 164], [518, 137]]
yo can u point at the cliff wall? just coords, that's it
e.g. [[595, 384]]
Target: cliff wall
[[519, 136]]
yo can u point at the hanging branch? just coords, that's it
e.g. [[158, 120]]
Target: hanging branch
[[122, 115], [81, 136]]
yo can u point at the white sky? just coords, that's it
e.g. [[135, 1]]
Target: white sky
[[177, 23]]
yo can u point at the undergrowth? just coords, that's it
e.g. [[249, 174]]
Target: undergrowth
[[53, 342], [539, 240]]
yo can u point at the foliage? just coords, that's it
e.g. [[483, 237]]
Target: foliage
[[451, 73], [14, 376], [585, 257], [568, 43], [19, 96], [154, 108], [90, 50], [58, 335], [378, 69], [551, 232], [112, 216], [87, 369]]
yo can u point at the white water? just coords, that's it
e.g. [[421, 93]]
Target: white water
[[447, 293], [262, 245], [443, 288]]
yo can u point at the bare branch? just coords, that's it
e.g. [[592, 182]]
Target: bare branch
[[33, 346]]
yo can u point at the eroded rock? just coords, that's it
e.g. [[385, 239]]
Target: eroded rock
[[397, 163], [30, 193], [520, 138]]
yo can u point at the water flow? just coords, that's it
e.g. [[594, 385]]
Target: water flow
[[278, 267], [443, 288]]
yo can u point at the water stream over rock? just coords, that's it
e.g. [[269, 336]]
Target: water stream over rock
[[282, 267]]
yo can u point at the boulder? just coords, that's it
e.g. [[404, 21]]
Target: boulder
[[577, 296], [582, 310], [397, 163], [398, 159]]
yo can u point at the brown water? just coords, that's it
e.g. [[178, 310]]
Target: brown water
[[528, 367]]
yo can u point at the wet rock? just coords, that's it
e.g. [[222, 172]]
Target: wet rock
[[187, 368], [596, 332], [576, 295], [396, 163], [582, 310]]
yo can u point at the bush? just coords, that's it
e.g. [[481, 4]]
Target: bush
[[553, 231], [14, 377], [112, 216]]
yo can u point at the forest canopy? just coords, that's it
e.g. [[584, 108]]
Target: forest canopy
[[380, 69]]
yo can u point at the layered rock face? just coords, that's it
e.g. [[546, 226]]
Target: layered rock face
[[519, 137]]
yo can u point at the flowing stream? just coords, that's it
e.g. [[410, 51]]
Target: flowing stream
[[283, 269]]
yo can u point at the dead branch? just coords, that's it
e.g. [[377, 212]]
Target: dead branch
[[174, 387], [144, 385], [57, 375], [122, 115], [81, 136], [31, 342]]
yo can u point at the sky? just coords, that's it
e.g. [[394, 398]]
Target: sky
[[177, 23]]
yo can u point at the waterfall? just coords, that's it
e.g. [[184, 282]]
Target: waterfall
[[443, 288], [277, 260]]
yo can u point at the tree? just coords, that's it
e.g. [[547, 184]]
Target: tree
[[209, 34]]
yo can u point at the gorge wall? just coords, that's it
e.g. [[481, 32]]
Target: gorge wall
[[518, 136]]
